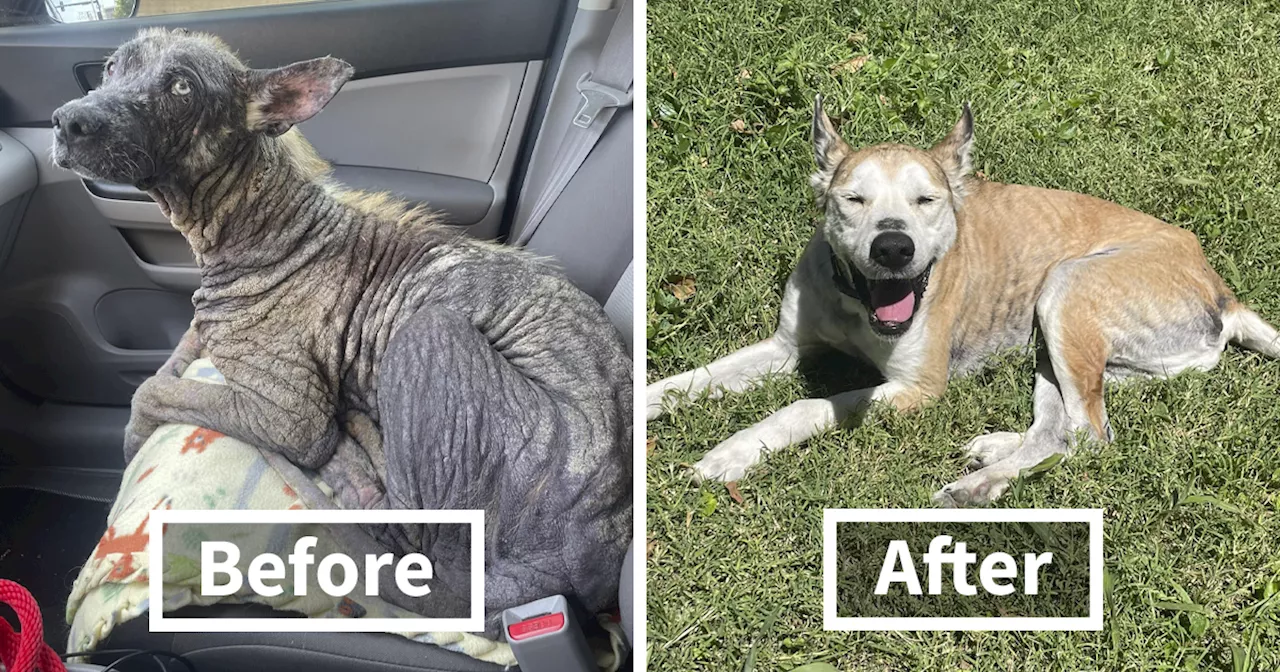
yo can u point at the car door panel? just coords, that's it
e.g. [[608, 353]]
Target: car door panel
[[451, 121], [18, 178], [65, 259]]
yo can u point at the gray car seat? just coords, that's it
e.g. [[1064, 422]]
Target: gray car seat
[[589, 232]]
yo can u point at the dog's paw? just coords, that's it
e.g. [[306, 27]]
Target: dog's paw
[[728, 461], [986, 450], [136, 434], [655, 401], [977, 489]]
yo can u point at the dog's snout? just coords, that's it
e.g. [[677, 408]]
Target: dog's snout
[[76, 121], [893, 250]]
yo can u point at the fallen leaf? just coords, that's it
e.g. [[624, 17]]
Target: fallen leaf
[[733, 491], [688, 519], [745, 74], [704, 162], [648, 548], [739, 126], [852, 65], [708, 504], [649, 445], [1044, 465], [683, 287], [883, 100]]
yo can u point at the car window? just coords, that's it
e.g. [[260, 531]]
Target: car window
[[45, 12]]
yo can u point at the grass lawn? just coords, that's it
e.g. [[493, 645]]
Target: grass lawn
[[1171, 107]]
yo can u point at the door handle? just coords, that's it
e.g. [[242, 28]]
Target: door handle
[[88, 75]]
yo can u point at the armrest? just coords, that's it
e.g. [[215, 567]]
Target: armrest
[[463, 201]]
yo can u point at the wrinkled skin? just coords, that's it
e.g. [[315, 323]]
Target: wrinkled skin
[[410, 366]]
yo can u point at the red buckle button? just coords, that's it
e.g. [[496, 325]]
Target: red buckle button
[[535, 626]]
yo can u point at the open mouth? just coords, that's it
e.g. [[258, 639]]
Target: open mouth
[[892, 303]]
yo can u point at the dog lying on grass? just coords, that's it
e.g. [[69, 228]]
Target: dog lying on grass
[[924, 271], [414, 367]]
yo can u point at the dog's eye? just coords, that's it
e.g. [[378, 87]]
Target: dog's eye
[[181, 87], [854, 198], [924, 200]]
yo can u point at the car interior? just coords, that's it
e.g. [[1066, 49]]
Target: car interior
[[460, 104]]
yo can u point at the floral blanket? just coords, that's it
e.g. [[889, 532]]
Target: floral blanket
[[187, 467]]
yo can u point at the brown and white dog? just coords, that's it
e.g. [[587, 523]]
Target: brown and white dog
[[924, 271]]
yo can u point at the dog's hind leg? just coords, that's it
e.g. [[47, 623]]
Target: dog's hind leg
[[993, 465], [735, 372], [991, 448], [465, 426], [1119, 312], [1068, 399]]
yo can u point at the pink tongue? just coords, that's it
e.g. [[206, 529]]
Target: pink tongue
[[898, 311]]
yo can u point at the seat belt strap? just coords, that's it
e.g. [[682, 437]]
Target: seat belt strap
[[604, 90], [618, 305]]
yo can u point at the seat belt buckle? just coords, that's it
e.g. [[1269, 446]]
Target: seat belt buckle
[[597, 97], [545, 636]]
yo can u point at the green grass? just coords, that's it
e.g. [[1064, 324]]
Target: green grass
[[1165, 106]]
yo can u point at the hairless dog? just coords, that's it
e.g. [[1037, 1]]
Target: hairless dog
[[411, 366]]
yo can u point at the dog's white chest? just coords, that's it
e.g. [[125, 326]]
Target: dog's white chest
[[898, 359], [813, 309]]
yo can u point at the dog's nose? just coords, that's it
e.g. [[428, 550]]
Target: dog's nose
[[76, 121], [892, 249]]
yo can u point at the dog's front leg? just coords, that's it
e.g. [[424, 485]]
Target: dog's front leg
[[797, 422], [306, 432], [735, 372], [188, 350]]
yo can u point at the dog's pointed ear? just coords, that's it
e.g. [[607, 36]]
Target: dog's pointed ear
[[828, 147], [290, 95], [953, 153]]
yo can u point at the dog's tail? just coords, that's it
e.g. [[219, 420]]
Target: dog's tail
[[1247, 329]]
